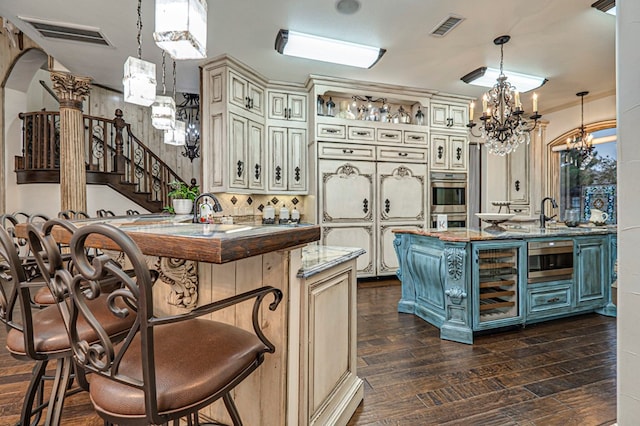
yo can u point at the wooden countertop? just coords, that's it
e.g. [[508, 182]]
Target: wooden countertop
[[172, 236], [509, 232]]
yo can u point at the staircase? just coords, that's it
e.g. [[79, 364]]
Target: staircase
[[114, 156]]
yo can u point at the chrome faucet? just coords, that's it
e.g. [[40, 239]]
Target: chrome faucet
[[216, 207], [544, 218]]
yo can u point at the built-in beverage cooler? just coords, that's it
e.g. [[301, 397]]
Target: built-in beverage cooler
[[497, 276]]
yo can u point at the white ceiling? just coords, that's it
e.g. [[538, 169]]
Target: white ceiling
[[568, 41]]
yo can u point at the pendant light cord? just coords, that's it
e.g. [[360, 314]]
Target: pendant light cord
[[174, 79], [164, 87], [139, 25]]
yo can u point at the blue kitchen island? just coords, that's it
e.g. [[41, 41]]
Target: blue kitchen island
[[466, 280]]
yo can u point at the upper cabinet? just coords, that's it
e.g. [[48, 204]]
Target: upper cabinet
[[246, 94], [449, 152], [449, 116], [287, 106]]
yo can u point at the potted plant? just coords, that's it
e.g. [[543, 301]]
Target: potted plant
[[182, 196]]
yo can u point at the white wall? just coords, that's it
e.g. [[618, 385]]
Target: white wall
[[37, 96], [628, 86]]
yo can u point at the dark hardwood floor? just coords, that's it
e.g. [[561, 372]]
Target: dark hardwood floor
[[557, 373]]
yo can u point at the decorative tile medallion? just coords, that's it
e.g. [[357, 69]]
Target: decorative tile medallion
[[249, 200], [601, 197], [234, 200]]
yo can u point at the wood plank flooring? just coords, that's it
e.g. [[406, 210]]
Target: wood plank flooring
[[557, 373]]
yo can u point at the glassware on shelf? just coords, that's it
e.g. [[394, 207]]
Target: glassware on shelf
[[401, 116], [320, 105], [362, 112], [419, 117], [331, 107], [385, 117], [345, 112]]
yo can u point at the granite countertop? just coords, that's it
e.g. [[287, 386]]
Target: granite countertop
[[316, 259], [506, 232]]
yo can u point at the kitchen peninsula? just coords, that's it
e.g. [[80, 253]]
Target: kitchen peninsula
[[311, 378], [471, 280]]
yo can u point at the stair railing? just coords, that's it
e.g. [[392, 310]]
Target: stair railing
[[110, 147]]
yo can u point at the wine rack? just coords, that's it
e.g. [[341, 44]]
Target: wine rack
[[498, 283]]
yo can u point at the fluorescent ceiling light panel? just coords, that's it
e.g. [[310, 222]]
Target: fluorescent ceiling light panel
[[607, 6], [308, 46], [487, 77]]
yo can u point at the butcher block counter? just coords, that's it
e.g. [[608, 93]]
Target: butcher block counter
[[467, 281], [311, 378]]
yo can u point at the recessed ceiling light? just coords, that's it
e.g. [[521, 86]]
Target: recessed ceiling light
[[486, 77], [348, 7], [308, 46]]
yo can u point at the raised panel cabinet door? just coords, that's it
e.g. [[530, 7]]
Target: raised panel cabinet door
[[354, 235], [256, 149], [591, 275], [277, 105], [238, 90], [402, 191], [256, 98], [459, 116], [387, 258], [297, 107], [439, 115], [518, 175], [346, 191], [238, 128], [277, 159], [297, 160], [439, 152], [458, 152]]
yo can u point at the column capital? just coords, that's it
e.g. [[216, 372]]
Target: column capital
[[71, 90]]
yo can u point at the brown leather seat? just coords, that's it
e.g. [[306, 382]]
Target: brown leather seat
[[167, 368], [44, 297]]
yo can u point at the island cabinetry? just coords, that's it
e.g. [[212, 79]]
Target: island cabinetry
[[592, 272], [448, 152], [452, 116], [497, 275]]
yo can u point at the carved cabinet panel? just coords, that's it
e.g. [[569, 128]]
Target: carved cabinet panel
[[354, 235], [346, 191], [402, 191]]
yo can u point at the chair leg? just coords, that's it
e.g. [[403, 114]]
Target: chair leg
[[35, 388], [60, 383], [231, 408]]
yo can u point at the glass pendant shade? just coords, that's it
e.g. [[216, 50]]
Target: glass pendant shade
[[163, 113], [181, 28], [139, 81], [177, 135]]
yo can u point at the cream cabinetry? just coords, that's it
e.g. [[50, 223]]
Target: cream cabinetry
[[374, 132], [247, 153], [287, 106], [246, 93], [518, 178], [449, 116], [448, 152], [287, 148]]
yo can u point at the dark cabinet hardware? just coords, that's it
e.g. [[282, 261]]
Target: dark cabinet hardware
[[387, 206], [402, 154], [553, 300], [331, 130], [250, 103], [458, 153], [247, 102], [449, 122], [347, 151], [240, 168], [440, 152], [388, 135], [415, 138], [517, 184], [278, 173], [257, 172], [296, 174], [362, 133], [365, 206]]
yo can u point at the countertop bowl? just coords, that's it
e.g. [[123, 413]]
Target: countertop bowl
[[495, 218]]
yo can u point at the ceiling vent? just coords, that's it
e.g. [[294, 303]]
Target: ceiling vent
[[69, 32], [446, 25]]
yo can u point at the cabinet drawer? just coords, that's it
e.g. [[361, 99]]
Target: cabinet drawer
[[336, 131], [361, 133], [420, 138], [544, 300], [389, 135], [410, 155], [346, 151]]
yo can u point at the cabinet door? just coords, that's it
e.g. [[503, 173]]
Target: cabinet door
[[592, 272], [458, 116], [277, 158], [238, 131], [458, 153], [347, 191], [355, 235], [255, 162], [518, 175], [439, 115], [256, 98], [297, 107], [439, 152], [238, 90], [297, 160], [277, 105], [387, 258], [402, 191]]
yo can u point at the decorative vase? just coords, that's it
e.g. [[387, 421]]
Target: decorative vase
[[183, 206]]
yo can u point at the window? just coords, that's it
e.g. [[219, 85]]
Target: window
[[584, 188]]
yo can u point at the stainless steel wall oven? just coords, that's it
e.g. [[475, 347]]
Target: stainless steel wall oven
[[449, 196]]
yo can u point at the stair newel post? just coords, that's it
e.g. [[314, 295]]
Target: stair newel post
[[119, 158], [71, 91]]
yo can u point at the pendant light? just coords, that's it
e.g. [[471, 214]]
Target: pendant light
[[181, 28], [139, 76], [177, 135], [163, 110]]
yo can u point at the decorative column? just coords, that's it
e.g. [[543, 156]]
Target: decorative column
[[71, 91]]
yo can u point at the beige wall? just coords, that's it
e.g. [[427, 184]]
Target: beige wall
[[628, 83]]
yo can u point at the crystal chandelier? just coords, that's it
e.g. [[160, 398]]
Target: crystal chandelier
[[580, 146], [163, 110], [139, 76], [181, 28], [503, 126]]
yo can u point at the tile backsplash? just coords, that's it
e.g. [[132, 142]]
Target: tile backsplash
[[248, 208]]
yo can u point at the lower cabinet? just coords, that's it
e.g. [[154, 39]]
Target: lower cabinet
[[549, 300], [591, 272]]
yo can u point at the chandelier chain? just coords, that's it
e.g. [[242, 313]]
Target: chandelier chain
[[164, 87], [139, 26], [174, 79]]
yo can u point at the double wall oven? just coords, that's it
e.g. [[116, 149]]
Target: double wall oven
[[449, 196]]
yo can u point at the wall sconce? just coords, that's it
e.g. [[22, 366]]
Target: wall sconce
[[189, 111]]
